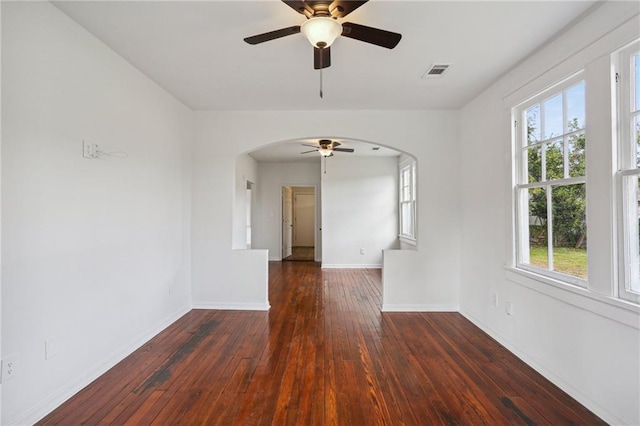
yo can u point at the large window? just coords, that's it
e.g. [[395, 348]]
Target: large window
[[551, 183], [629, 157], [407, 197]]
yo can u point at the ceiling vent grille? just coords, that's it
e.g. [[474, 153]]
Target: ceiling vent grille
[[436, 70]]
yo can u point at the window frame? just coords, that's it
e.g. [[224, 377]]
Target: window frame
[[521, 181], [410, 166], [627, 170]]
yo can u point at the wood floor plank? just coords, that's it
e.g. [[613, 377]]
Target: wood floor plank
[[323, 355]]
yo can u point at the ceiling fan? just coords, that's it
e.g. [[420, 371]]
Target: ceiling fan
[[326, 148], [322, 28]]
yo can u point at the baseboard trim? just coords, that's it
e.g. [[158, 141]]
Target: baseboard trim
[[233, 306], [57, 398], [275, 259], [388, 307], [556, 379], [351, 266]]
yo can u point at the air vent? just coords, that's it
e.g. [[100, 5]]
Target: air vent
[[436, 70]]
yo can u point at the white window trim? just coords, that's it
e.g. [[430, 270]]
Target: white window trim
[[521, 205], [626, 167], [595, 60], [411, 164]]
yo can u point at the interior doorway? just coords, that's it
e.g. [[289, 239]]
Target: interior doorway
[[249, 213], [299, 223], [287, 222]]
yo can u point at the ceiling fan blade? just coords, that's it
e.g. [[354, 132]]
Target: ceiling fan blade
[[311, 146], [299, 6], [272, 35], [321, 58], [371, 35], [341, 8], [343, 149], [306, 152]]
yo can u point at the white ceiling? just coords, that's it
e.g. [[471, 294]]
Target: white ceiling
[[195, 50]]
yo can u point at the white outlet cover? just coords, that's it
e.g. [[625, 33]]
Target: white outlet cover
[[509, 308], [9, 368]]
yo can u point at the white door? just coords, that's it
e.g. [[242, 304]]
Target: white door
[[303, 220], [287, 222]]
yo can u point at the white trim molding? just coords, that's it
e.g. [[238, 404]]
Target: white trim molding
[[387, 307], [214, 306]]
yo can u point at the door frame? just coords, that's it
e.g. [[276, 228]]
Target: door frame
[[317, 225], [286, 251]]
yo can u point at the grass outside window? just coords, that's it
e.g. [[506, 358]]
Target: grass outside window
[[568, 260]]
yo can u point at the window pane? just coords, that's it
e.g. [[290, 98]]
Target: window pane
[[636, 137], [635, 242], [413, 183], [575, 107], [553, 125], [538, 228], [533, 124], [636, 62], [405, 189], [631, 190], [406, 195], [554, 160], [407, 225], [570, 230], [534, 164], [575, 152]]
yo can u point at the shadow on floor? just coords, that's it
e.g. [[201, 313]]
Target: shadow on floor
[[301, 254]]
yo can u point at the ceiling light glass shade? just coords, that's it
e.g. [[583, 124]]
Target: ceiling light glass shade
[[321, 30], [325, 152]]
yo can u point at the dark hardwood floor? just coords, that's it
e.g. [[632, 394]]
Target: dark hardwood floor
[[323, 355]]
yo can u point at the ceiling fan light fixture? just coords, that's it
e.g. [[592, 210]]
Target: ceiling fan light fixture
[[325, 152], [321, 31]]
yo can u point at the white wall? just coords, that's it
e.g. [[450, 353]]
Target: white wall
[[431, 136], [246, 170], [359, 210], [0, 215], [587, 344], [272, 177], [95, 253]]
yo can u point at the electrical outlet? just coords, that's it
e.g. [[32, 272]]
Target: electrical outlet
[[509, 307], [495, 299], [89, 150], [362, 251], [9, 368]]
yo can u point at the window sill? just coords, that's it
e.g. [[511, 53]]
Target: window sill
[[407, 240], [615, 309]]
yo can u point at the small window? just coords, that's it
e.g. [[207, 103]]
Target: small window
[[551, 183], [629, 157], [407, 200]]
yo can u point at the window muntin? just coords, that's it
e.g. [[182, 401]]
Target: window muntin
[[629, 157], [407, 200], [551, 185]]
